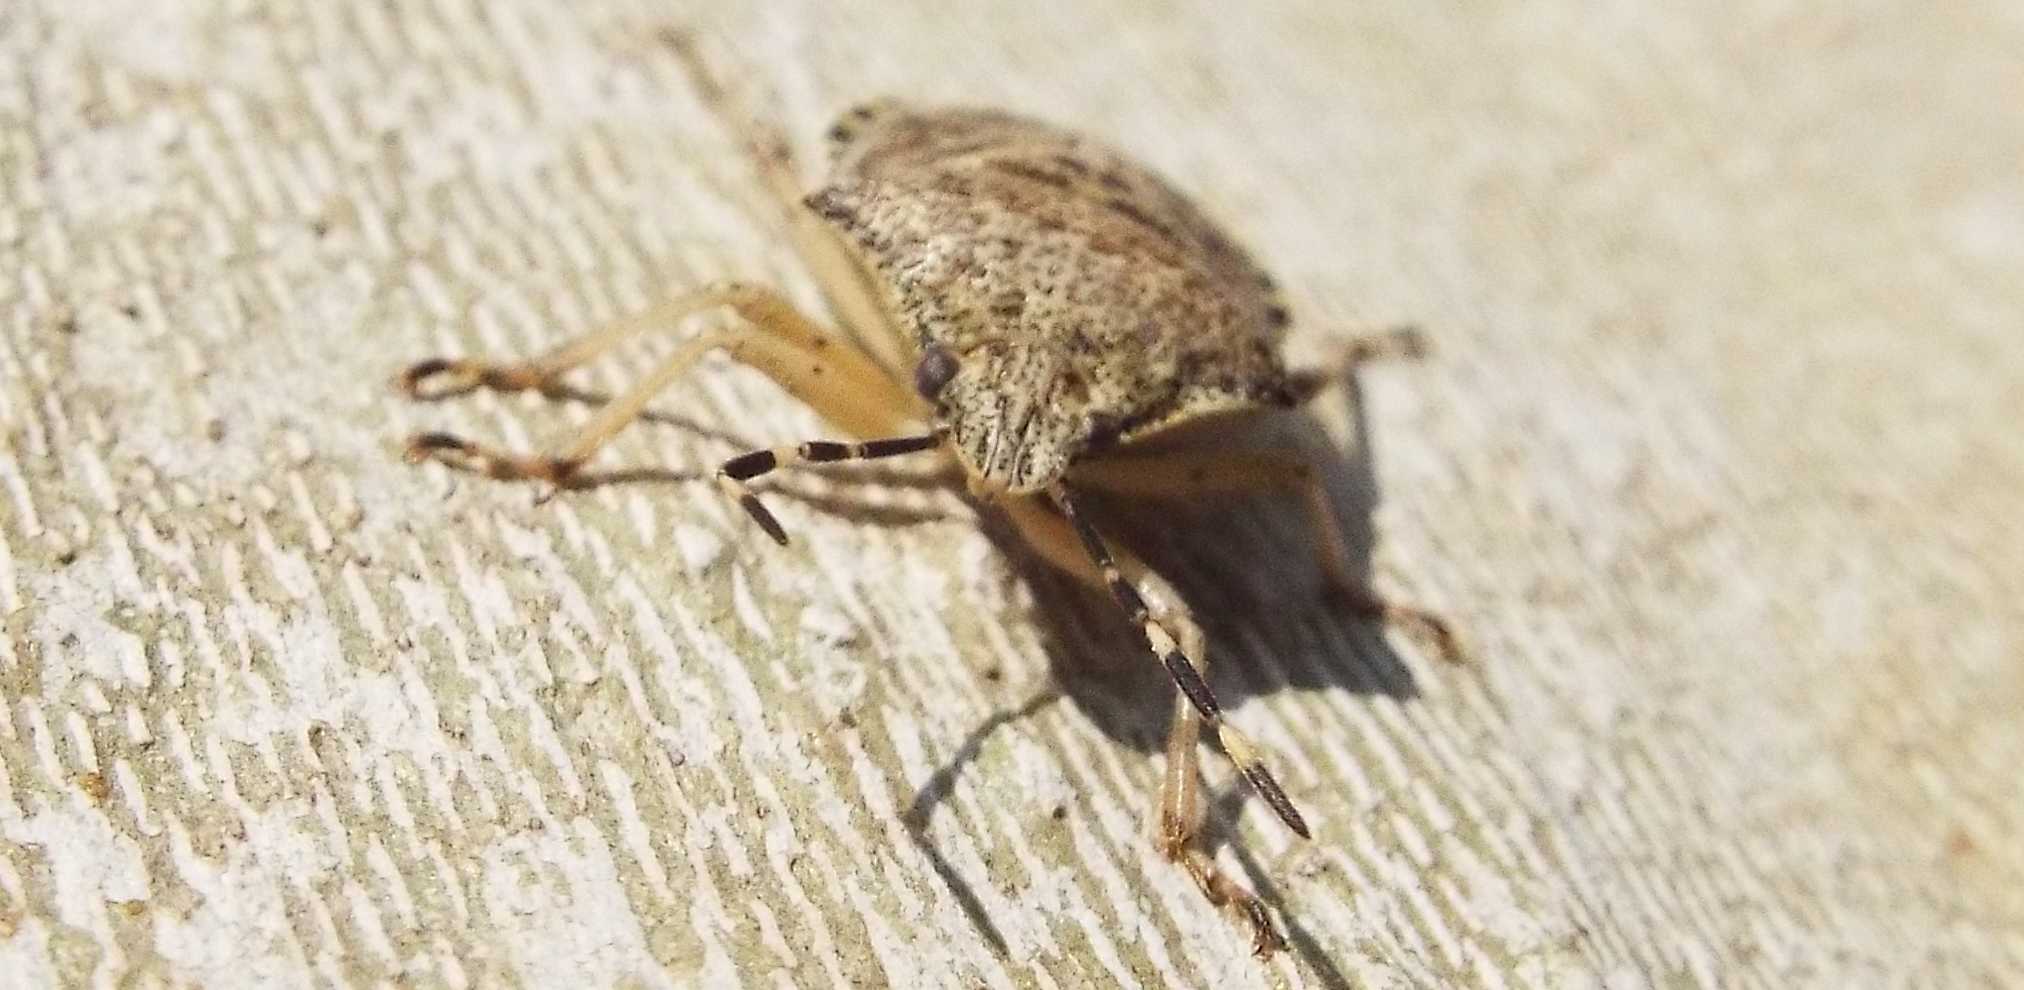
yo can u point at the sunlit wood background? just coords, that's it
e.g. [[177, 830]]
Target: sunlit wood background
[[1715, 463]]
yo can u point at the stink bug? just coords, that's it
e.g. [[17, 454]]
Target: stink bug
[[1030, 305]]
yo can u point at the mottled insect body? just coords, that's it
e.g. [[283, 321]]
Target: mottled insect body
[[1083, 301], [1034, 305]]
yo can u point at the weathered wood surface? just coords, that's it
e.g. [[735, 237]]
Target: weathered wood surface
[[1716, 464]]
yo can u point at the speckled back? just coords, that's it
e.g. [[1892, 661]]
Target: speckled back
[[1084, 300]]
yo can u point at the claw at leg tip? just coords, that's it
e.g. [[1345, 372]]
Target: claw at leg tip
[[439, 378], [410, 379]]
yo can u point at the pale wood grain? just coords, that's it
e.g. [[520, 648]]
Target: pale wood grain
[[1715, 464]]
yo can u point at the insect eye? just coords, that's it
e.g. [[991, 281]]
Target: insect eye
[[933, 373]]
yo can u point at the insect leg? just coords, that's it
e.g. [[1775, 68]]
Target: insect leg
[[1181, 812], [825, 372], [1192, 473], [1382, 344], [852, 297], [1241, 750], [440, 378], [734, 473]]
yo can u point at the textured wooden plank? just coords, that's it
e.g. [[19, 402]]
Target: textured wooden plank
[[1716, 465]]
